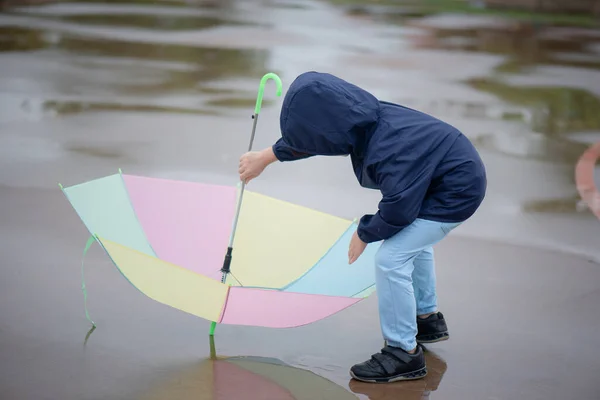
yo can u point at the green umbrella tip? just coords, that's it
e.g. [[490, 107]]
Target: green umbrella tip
[[60, 185], [120, 172]]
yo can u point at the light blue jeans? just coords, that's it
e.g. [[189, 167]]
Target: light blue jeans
[[405, 279]]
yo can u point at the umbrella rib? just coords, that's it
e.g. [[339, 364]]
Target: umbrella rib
[[283, 288], [225, 304], [236, 278], [135, 214], [368, 287]]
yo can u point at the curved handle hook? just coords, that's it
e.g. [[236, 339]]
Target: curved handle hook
[[261, 89]]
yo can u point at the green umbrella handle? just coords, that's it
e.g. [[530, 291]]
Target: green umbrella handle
[[261, 89]]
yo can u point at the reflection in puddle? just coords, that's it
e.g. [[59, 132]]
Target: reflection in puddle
[[408, 390], [299, 5], [238, 102], [556, 110], [215, 63], [76, 107], [566, 205], [549, 113], [397, 11], [389, 13], [97, 151], [524, 44], [118, 75], [248, 378], [212, 4], [554, 113], [21, 39], [539, 120], [156, 22], [530, 146]]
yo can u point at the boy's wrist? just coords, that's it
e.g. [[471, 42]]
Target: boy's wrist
[[268, 156]]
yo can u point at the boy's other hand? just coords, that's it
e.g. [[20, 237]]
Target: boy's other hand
[[253, 163], [357, 246]]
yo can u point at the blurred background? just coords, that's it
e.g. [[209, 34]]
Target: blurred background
[[166, 88]]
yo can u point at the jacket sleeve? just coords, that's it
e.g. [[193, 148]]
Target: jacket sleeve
[[399, 207], [285, 153]]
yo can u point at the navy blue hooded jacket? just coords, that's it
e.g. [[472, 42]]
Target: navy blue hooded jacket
[[424, 168]]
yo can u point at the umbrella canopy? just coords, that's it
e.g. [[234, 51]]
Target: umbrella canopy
[[168, 239]]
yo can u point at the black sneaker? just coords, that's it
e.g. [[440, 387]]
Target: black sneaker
[[390, 365], [432, 329]]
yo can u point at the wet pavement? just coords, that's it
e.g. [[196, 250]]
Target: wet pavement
[[166, 89]]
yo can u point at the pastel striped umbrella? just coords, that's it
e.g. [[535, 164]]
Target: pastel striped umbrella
[[285, 265]]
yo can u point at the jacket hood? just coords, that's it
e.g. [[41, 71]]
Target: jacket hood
[[325, 115]]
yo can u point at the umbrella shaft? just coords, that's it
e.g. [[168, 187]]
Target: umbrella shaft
[[255, 118], [239, 205], [227, 261], [237, 215]]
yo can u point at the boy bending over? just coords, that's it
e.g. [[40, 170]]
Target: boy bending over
[[431, 179]]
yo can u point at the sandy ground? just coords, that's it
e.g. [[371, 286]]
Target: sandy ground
[[518, 287]]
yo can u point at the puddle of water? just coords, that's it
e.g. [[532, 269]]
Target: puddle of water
[[566, 205], [247, 103], [546, 114], [99, 74], [551, 115], [290, 5], [389, 13], [530, 147], [75, 107], [210, 4], [524, 43], [155, 22], [252, 378], [97, 151], [395, 11], [543, 116], [149, 16], [210, 63], [21, 39], [555, 110]]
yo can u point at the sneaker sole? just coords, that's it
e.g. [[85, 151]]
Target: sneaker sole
[[409, 376], [433, 338]]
